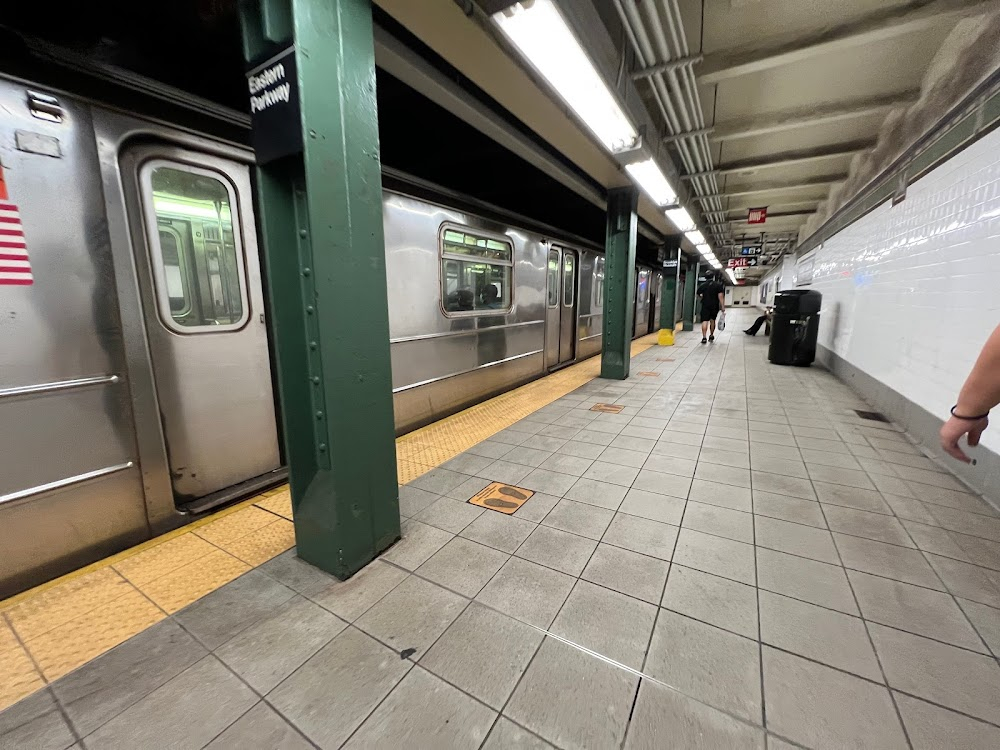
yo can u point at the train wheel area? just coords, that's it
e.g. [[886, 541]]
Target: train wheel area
[[57, 627]]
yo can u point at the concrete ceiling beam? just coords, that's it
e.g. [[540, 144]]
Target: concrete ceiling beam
[[776, 187], [873, 28], [787, 159]]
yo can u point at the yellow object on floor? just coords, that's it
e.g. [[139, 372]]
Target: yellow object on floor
[[57, 627], [666, 337]]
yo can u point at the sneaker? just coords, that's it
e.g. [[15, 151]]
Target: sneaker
[[711, 338], [704, 340], [747, 332]]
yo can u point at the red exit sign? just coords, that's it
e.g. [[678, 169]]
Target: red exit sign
[[738, 262], [757, 215]]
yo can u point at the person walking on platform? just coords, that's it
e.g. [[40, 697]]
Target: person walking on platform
[[713, 300], [981, 392]]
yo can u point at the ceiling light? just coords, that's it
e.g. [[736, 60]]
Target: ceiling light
[[732, 276], [649, 177], [540, 33], [697, 238], [681, 219]]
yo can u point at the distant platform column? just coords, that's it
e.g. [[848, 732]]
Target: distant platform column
[[690, 294], [668, 290], [312, 89], [619, 283]]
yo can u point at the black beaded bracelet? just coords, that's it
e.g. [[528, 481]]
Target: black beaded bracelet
[[969, 419]]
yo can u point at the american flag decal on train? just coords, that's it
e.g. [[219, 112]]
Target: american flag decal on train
[[15, 268]]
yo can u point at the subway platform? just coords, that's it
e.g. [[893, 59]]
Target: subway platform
[[715, 553]]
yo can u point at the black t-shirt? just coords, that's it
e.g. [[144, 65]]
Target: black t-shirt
[[710, 292]]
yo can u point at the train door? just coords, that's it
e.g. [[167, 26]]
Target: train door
[[656, 285], [561, 306], [641, 322], [203, 304]]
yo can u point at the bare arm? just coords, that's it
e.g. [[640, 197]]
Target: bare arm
[[722, 299], [980, 393]]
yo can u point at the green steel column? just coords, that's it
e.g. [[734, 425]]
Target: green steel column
[[667, 291], [690, 287], [321, 224], [619, 283]]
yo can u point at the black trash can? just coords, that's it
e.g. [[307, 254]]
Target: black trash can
[[795, 327]]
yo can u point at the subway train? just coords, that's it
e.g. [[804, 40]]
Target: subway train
[[136, 378]]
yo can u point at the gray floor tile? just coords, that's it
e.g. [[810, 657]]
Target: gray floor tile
[[594, 437], [527, 427], [612, 473], [724, 495], [899, 563], [953, 499], [784, 466], [650, 433], [261, 726], [717, 601], [872, 465], [463, 566], [623, 457], [557, 549], [35, 722], [611, 624], [505, 471], [499, 531], [490, 449], [419, 542], [545, 443], [579, 518], [594, 492], [664, 484], [940, 673], [820, 707], [412, 615], [683, 467], [787, 508], [549, 482], [811, 581], [821, 444], [986, 620], [919, 478], [978, 551], [835, 475], [296, 574], [536, 507], [706, 663], [566, 464], [641, 535], [191, 709], [506, 735], [766, 450], [931, 727], [628, 572], [722, 474], [363, 672], [968, 581], [469, 488], [735, 459], [660, 713], [266, 653], [770, 438], [817, 633], [653, 506], [216, 618], [828, 458], [351, 598], [861, 523], [467, 463], [439, 480], [424, 711], [796, 539], [630, 443], [527, 591], [449, 515], [851, 497], [914, 609], [412, 500], [676, 450], [713, 554], [712, 519], [525, 456], [484, 653], [106, 686], [782, 485], [891, 485], [935, 539], [572, 699], [582, 450], [558, 431]]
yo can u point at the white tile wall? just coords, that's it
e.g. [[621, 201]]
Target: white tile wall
[[911, 292]]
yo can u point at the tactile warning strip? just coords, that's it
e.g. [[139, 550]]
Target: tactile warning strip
[[57, 627]]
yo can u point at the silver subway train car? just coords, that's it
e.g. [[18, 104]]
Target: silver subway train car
[[136, 385]]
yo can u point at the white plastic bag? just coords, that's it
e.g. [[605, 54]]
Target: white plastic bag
[[720, 322]]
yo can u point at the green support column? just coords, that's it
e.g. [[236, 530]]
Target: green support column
[[690, 287], [619, 283], [668, 290], [321, 224]]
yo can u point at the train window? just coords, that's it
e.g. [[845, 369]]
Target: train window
[[643, 287], [476, 272], [569, 279], [196, 255], [553, 278], [598, 300]]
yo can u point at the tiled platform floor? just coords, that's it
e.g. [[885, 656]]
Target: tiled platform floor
[[735, 559]]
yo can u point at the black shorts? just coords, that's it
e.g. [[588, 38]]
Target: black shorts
[[709, 312]]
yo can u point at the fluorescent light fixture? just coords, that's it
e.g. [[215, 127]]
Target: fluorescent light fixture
[[697, 238], [681, 219], [649, 177], [541, 34], [732, 276]]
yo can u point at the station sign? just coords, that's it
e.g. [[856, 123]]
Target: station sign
[[757, 215], [750, 250], [670, 263], [274, 107]]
